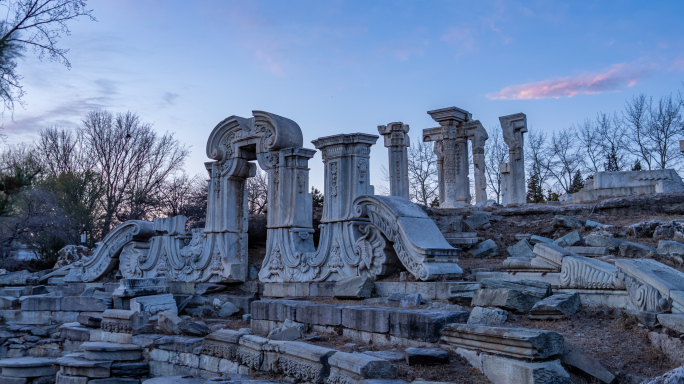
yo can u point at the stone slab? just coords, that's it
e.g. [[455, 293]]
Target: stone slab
[[28, 367], [111, 351], [424, 325], [588, 251], [85, 304], [76, 365], [367, 318], [673, 321], [40, 303], [653, 273]]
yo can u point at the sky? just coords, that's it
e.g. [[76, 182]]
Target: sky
[[348, 66]]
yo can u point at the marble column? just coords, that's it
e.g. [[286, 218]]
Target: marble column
[[514, 126], [452, 152], [397, 140], [478, 136]]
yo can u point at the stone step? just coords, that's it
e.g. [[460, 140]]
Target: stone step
[[111, 351], [75, 333], [76, 365], [28, 367]]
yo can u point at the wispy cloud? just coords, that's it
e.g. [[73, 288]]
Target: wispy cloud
[[462, 36], [169, 99], [619, 76]]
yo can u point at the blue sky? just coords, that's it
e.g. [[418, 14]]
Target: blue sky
[[348, 66]]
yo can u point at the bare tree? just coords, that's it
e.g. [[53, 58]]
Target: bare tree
[[62, 151], [257, 190], [422, 172], [496, 152], [37, 24], [636, 119], [565, 159], [536, 155], [590, 141], [614, 140], [666, 127], [132, 159]]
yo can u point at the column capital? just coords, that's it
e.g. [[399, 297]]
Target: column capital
[[395, 134]]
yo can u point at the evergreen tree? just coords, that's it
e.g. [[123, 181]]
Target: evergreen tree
[[535, 192], [611, 164], [553, 196], [316, 197], [637, 166], [577, 183], [435, 202]]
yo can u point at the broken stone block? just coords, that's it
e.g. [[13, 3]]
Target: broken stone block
[[552, 254], [477, 220], [540, 239], [40, 303], [487, 316], [673, 321], [411, 300], [486, 248], [588, 251], [423, 325], [193, 328], [8, 301], [319, 314], [85, 304], [579, 359], [368, 319], [522, 248], [570, 239], [353, 288], [18, 278], [152, 305], [392, 355], [675, 376], [644, 229], [517, 296], [111, 351], [228, 309], [557, 306], [358, 366], [502, 370], [76, 365], [89, 321], [28, 367], [152, 286], [672, 249], [285, 334], [517, 342], [75, 333], [567, 222], [426, 356], [631, 250], [609, 243], [672, 347]]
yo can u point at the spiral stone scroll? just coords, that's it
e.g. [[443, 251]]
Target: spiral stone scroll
[[419, 244]]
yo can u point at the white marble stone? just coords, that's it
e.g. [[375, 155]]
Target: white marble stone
[[397, 140], [513, 172]]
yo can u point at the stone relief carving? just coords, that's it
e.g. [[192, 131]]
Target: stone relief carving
[[586, 273]]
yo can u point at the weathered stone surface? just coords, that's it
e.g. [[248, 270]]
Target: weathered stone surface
[[194, 328], [14, 278], [571, 239], [75, 365], [411, 300], [516, 342], [502, 370], [130, 368], [673, 249], [534, 240], [88, 320], [587, 273], [561, 221], [518, 296], [366, 318], [426, 356], [115, 380], [595, 240], [487, 316], [111, 351], [26, 317], [652, 286], [228, 309], [129, 288], [28, 367], [305, 362], [423, 325], [644, 229], [632, 250], [588, 251], [175, 380], [673, 348], [357, 366], [477, 220], [353, 288], [75, 333], [15, 380], [551, 253], [320, 314], [64, 379], [8, 301], [154, 304], [579, 359], [486, 248], [85, 304], [40, 303], [285, 334], [557, 306], [392, 355], [673, 321], [169, 322], [522, 248]]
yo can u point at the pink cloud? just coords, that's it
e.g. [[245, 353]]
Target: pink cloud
[[617, 77]]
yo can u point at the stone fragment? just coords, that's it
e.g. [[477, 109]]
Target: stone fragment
[[661, 285], [551, 253], [644, 229], [321, 314], [28, 367], [90, 321], [522, 236], [358, 366], [154, 304], [571, 239], [8, 301], [575, 357], [673, 249], [367, 318], [115, 380], [75, 333], [175, 380], [673, 321], [517, 296], [353, 288], [411, 300], [672, 347], [85, 304], [293, 324], [194, 328], [426, 356], [487, 316], [588, 251], [486, 248], [539, 239], [567, 222], [129, 288], [557, 306], [522, 248], [609, 243], [130, 368], [502, 370], [111, 351], [517, 342], [630, 250], [228, 309], [40, 303], [64, 379], [14, 278], [286, 334], [477, 220]]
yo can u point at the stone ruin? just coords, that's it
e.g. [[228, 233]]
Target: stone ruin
[[185, 311]]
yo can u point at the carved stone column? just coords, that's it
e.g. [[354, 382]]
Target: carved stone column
[[478, 136], [397, 140], [451, 145], [513, 127]]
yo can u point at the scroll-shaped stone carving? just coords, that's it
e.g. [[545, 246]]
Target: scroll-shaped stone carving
[[652, 286], [419, 244], [587, 273], [106, 255]]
